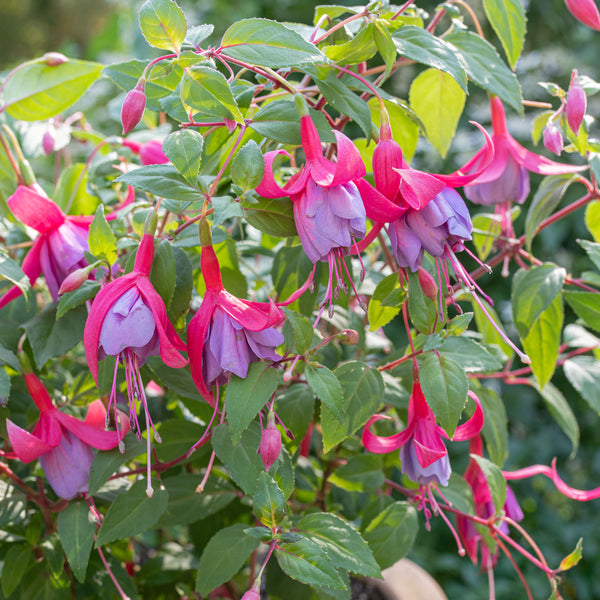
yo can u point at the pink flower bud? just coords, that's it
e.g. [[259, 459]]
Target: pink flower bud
[[48, 140], [252, 594], [348, 337], [585, 11], [428, 284], [553, 139], [53, 59], [133, 107], [270, 445], [576, 103], [74, 280]]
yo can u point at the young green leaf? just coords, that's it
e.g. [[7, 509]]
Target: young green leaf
[[248, 166], [163, 24]]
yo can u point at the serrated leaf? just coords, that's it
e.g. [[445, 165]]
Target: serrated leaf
[[470, 355], [586, 307], [392, 533], [248, 166], [184, 150], [302, 328], [306, 562], [495, 480], [72, 300], [102, 241], [326, 387], [269, 44], [507, 17], [76, 530], [362, 473], [161, 180], [268, 502], [563, 414], [132, 512], [445, 386], [163, 24], [343, 544], [245, 397], [37, 91], [223, 556], [438, 101], [485, 67], [381, 314], [583, 373], [296, 405]]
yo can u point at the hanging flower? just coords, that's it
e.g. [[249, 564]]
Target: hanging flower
[[63, 444], [422, 450], [227, 333]]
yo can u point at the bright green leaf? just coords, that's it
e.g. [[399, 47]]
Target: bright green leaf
[[360, 48], [10, 270], [184, 150], [569, 561], [326, 387], [507, 17], [102, 241], [380, 314], [583, 373], [302, 328], [592, 219], [163, 24], [586, 307]]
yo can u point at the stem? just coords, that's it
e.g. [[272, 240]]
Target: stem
[[472, 15], [341, 24], [526, 554], [123, 595], [516, 568], [215, 183]]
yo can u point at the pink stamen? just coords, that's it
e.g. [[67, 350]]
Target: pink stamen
[[438, 510]]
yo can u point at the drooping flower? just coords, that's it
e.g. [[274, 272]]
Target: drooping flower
[[150, 153], [422, 450], [227, 333], [58, 249], [585, 11], [64, 444], [128, 320], [328, 209], [576, 103]]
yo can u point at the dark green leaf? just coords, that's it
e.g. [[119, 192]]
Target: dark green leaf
[[302, 328], [12, 504], [102, 241], [163, 274], [485, 67], [4, 384], [177, 438], [422, 310], [163, 24], [586, 307], [362, 473], [184, 283], [161, 180], [344, 545], [283, 473], [82, 294], [495, 431], [583, 373], [268, 43], [184, 150], [17, 561], [76, 529], [223, 556], [269, 503], [563, 414], [248, 166], [225, 207], [460, 494], [495, 480], [245, 397], [445, 387], [178, 380], [132, 512], [296, 407], [274, 216], [470, 355], [392, 533], [510, 24], [326, 387]]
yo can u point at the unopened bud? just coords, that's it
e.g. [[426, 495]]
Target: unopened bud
[[301, 105], [27, 172], [73, 281], [53, 59], [576, 103], [48, 140], [25, 363], [133, 107], [348, 337], [253, 593], [428, 284], [204, 232], [553, 139], [150, 223], [270, 444]]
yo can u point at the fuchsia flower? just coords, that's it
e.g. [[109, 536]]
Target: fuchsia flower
[[585, 11], [59, 248], [506, 178], [227, 333], [422, 451], [270, 443], [128, 320], [576, 103], [150, 153], [64, 444], [133, 107]]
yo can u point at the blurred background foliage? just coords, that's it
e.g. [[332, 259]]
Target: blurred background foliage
[[107, 31]]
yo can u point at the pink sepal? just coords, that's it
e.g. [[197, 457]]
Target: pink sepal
[[35, 210], [418, 189], [349, 167], [144, 255], [268, 187], [380, 444], [28, 446], [540, 164], [474, 425], [377, 206]]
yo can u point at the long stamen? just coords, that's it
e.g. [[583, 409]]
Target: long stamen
[[362, 266], [438, 510], [149, 490], [361, 302]]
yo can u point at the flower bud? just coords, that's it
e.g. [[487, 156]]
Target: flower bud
[[252, 594], [585, 11], [74, 280], [150, 223], [349, 337], [204, 232], [133, 107], [427, 283], [53, 59], [48, 140], [553, 139], [576, 103], [270, 444]]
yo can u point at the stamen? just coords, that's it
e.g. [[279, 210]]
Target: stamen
[[362, 266], [476, 259], [440, 512], [149, 490]]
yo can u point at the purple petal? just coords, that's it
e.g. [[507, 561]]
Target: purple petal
[[406, 245], [263, 343], [437, 472]]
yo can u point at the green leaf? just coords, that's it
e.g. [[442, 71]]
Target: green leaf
[[392, 533], [76, 530], [583, 373], [539, 124], [302, 330], [132, 512], [37, 91], [495, 480], [542, 343], [362, 473], [223, 556], [75, 200], [422, 310], [470, 355], [184, 150], [72, 300], [208, 92], [269, 503], [507, 17], [460, 494], [546, 199], [385, 46], [421, 46], [533, 291], [163, 24], [572, 559], [360, 48], [18, 559], [269, 44], [488, 332], [4, 383], [362, 388], [495, 430], [184, 284], [296, 406], [343, 545], [102, 241], [10, 270], [161, 180], [381, 314], [245, 397], [163, 274], [241, 459], [326, 387], [485, 67], [562, 413], [248, 166], [12, 504], [274, 216], [177, 380], [586, 307], [486, 230], [50, 337], [445, 386], [593, 251], [177, 438], [592, 219], [306, 562], [438, 101]]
